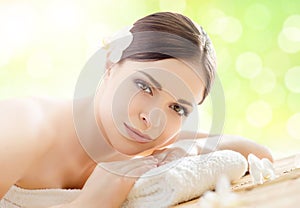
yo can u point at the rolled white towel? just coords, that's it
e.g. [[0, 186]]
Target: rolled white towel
[[184, 179]]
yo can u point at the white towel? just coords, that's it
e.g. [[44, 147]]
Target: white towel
[[39, 198], [161, 187], [185, 179]]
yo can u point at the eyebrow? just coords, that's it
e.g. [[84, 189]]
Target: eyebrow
[[156, 83], [159, 87], [184, 102]]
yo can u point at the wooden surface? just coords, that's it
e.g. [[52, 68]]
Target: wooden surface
[[282, 192]]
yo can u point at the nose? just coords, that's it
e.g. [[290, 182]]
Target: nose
[[145, 118]]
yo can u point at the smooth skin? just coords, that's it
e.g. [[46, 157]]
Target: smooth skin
[[39, 147]]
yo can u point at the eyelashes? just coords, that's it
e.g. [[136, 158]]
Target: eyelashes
[[182, 111], [144, 86]]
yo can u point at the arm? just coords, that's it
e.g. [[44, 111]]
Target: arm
[[246, 146], [110, 183], [239, 144], [236, 143], [204, 143], [20, 145]]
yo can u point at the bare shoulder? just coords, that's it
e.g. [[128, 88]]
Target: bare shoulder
[[25, 117], [21, 141]]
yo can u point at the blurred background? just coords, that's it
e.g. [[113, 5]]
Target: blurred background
[[45, 44]]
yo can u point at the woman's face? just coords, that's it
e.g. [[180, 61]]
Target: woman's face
[[142, 105]]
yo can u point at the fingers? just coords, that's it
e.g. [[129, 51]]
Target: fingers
[[139, 166], [161, 155], [170, 155]]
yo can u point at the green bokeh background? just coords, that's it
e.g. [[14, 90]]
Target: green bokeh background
[[45, 44]]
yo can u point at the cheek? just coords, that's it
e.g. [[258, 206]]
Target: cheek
[[172, 127], [118, 103], [174, 122]]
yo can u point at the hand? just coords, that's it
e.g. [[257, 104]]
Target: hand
[[182, 148], [169, 154], [106, 189]]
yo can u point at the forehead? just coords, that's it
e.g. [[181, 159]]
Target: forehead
[[173, 75]]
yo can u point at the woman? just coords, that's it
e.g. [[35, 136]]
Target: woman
[[151, 86]]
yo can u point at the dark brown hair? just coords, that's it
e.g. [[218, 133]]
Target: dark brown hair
[[165, 35]]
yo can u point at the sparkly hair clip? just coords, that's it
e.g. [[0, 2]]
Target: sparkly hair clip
[[116, 44]]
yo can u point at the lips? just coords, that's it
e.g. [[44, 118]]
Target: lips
[[136, 135]]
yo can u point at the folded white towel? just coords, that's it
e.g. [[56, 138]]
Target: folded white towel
[[164, 186]]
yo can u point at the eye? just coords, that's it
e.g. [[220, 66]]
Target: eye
[[180, 110], [143, 86]]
